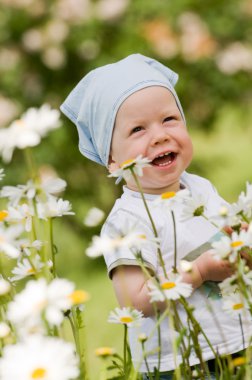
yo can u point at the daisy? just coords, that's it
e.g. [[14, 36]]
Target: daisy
[[194, 207], [54, 208], [136, 164], [16, 193], [16, 136], [25, 269], [228, 215], [94, 217], [42, 119], [104, 351], [172, 289], [28, 191], [3, 215], [53, 186], [170, 199], [126, 316], [9, 243], [21, 214], [228, 246], [39, 298], [245, 200], [27, 247], [229, 285], [235, 304], [106, 244], [28, 130], [39, 357], [5, 286], [4, 330]]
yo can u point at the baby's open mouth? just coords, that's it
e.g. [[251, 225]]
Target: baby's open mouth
[[164, 159]]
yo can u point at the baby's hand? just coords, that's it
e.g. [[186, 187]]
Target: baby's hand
[[212, 269]]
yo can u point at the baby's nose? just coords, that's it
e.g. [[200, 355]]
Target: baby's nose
[[160, 136]]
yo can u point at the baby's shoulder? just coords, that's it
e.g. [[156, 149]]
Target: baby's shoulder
[[195, 182]]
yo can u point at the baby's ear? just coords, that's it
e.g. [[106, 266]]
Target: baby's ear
[[112, 165]]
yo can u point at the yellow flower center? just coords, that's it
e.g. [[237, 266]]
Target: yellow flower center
[[127, 163], [238, 306], [38, 373], [79, 296], [142, 236], [168, 195], [168, 285], [3, 215], [236, 243], [239, 361], [31, 271], [126, 319], [104, 351]]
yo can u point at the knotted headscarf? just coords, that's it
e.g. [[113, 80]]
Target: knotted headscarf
[[93, 104]]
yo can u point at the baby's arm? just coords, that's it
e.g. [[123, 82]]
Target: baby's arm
[[131, 284]]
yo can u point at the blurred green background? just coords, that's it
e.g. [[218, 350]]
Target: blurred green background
[[45, 49]]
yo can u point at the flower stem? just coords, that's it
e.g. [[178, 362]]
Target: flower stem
[[79, 350], [52, 247], [175, 242], [30, 164], [150, 217], [125, 342]]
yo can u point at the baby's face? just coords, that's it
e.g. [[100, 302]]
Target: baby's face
[[149, 123]]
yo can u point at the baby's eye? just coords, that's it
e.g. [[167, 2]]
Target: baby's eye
[[136, 129], [169, 118]]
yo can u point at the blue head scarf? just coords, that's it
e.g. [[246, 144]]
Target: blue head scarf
[[93, 104]]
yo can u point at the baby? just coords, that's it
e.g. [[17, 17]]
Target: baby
[[124, 110]]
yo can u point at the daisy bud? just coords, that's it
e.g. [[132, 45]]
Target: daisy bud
[[185, 266], [4, 330], [5, 287]]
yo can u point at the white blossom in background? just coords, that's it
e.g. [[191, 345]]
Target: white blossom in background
[[25, 269], [48, 187], [235, 57], [69, 10], [137, 165], [126, 315], [1, 174], [54, 208], [94, 217], [21, 214], [53, 186], [16, 193], [171, 288], [110, 9], [9, 242], [8, 110], [193, 207], [34, 124], [39, 357]]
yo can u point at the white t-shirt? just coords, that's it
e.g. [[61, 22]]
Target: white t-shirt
[[194, 237]]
